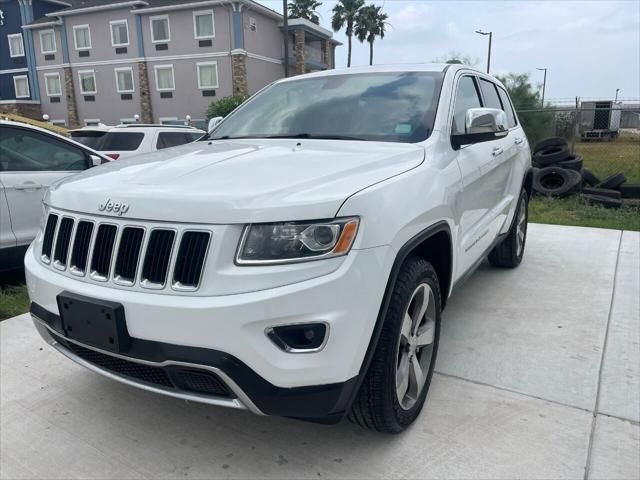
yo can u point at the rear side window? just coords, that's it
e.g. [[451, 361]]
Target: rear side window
[[507, 107], [490, 94], [173, 139], [124, 141], [88, 138], [466, 97]]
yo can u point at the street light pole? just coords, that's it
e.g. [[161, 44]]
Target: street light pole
[[616, 100], [489, 54], [285, 14], [544, 83]]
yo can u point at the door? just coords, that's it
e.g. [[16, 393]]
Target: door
[[485, 175], [30, 161]]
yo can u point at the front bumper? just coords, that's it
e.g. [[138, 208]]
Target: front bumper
[[225, 335]]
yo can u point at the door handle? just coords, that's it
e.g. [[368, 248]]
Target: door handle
[[497, 151], [519, 140], [28, 186]]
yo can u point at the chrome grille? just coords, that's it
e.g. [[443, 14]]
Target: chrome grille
[[147, 256]]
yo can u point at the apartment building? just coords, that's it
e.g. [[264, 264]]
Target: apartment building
[[155, 61]]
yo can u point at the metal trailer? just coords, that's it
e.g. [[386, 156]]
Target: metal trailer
[[600, 120]]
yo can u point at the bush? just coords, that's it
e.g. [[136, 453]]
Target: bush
[[224, 106]]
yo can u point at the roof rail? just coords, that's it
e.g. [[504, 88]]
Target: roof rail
[[137, 125]]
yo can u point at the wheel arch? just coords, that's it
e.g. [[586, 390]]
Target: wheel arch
[[528, 182]]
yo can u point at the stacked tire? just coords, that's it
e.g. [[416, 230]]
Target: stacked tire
[[559, 173]]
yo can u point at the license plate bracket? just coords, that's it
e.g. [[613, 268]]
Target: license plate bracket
[[94, 322]]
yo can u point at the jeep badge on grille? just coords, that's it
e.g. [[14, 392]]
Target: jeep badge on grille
[[114, 207]]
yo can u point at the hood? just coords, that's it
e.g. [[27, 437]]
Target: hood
[[241, 181]]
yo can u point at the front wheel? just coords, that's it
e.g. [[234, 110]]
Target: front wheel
[[395, 386], [511, 250]]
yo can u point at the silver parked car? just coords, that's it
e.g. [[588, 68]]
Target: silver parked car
[[31, 160]]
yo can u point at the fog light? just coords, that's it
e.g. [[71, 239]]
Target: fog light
[[301, 338]]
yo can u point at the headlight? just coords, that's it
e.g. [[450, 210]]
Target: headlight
[[291, 242]]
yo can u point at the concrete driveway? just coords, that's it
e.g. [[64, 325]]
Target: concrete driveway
[[538, 377]]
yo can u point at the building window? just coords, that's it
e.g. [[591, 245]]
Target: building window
[[52, 84], [82, 37], [21, 86], [119, 33], [160, 32], [87, 82], [253, 24], [203, 26], [207, 75], [47, 42], [16, 47], [165, 80], [124, 80]]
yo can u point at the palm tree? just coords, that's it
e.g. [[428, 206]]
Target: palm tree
[[345, 12], [305, 9], [370, 23]]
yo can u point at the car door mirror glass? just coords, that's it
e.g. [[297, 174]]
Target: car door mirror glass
[[482, 125]]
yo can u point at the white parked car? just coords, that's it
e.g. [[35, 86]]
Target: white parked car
[[32, 159], [123, 141], [296, 264]]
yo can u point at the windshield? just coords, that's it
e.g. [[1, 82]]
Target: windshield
[[388, 107]]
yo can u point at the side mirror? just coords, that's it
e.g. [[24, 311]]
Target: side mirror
[[96, 161], [213, 123], [481, 125]]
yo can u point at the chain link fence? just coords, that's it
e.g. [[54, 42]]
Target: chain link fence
[[605, 135]]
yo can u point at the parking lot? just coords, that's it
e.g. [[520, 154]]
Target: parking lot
[[538, 376]]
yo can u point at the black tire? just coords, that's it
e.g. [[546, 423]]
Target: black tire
[[550, 142], [573, 162], [605, 202], [556, 182], [376, 406], [551, 155], [509, 253], [630, 190], [589, 177], [614, 181], [602, 192]]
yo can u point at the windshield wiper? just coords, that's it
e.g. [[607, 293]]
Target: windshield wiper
[[317, 137]]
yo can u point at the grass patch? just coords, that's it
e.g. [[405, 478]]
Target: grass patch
[[575, 211], [606, 158], [13, 301]]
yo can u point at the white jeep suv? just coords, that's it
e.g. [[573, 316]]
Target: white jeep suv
[[298, 262]]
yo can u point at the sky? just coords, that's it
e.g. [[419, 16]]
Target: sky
[[590, 48]]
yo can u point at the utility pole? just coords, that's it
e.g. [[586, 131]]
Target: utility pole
[[544, 83], [285, 14], [489, 55]]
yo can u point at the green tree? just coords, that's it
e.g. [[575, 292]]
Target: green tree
[[224, 106], [537, 123], [305, 9], [344, 13], [370, 23], [456, 57]]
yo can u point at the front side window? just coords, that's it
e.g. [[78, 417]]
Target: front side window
[[47, 42], [52, 84], [124, 80], [164, 78], [490, 94], [21, 86], [173, 139], [82, 37], [87, 82], [119, 33], [467, 97], [387, 107], [16, 46], [507, 107], [203, 24], [160, 29], [122, 141], [23, 150], [208, 75]]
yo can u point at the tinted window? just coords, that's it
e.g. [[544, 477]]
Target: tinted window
[[173, 139], [389, 107], [466, 97], [23, 150], [124, 141], [90, 139], [490, 94], [506, 106]]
